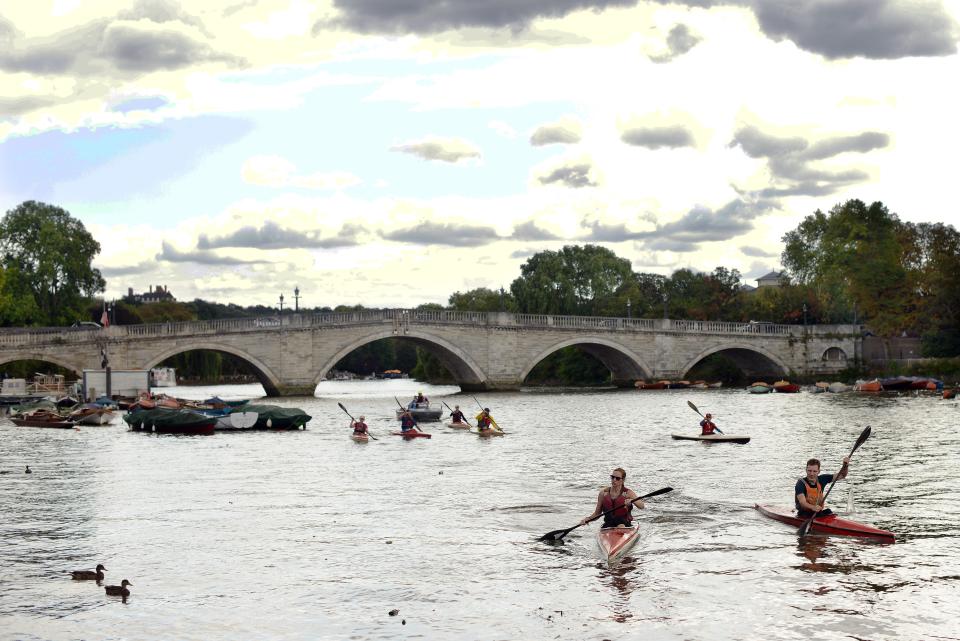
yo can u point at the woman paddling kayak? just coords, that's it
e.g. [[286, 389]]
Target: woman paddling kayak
[[617, 498]]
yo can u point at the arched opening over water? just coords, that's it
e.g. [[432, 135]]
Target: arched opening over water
[[210, 363], [623, 366], [735, 364], [39, 371], [443, 361]]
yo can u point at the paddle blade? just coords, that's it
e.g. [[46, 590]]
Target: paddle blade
[[557, 535], [864, 435], [693, 407]]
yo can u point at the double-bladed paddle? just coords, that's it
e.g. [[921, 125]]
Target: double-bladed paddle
[[355, 420], [864, 435], [407, 409], [557, 535], [694, 408]]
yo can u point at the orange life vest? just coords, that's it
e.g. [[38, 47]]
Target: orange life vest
[[813, 493]]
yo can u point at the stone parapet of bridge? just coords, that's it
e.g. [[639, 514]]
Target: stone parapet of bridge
[[290, 354]]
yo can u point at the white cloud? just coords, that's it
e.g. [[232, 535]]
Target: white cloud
[[276, 171]]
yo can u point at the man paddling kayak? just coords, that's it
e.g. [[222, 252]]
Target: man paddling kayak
[[456, 416], [707, 426], [407, 421], [359, 427], [809, 490], [616, 498], [485, 421]]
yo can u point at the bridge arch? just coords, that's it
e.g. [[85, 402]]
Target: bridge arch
[[625, 364], [752, 359], [10, 357], [270, 381], [463, 367]]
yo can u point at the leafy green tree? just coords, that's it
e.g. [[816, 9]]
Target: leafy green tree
[[52, 252], [17, 305], [852, 256], [482, 299], [574, 280]]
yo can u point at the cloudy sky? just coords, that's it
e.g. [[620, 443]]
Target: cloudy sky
[[390, 153]]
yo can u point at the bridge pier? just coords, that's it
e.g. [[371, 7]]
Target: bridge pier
[[291, 390]]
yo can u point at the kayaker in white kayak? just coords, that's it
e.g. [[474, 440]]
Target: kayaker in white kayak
[[617, 497], [456, 416], [707, 426], [359, 427], [485, 421], [809, 490]]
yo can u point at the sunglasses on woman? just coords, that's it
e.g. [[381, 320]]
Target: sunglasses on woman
[[616, 478]]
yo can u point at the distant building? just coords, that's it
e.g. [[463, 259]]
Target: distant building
[[773, 279], [158, 295]]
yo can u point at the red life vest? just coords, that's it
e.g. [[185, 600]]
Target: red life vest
[[621, 511], [359, 428], [707, 427]]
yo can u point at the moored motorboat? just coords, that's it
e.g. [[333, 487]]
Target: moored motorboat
[[679, 385], [459, 426], [615, 542], [759, 388], [274, 417], [949, 394], [868, 386], [827, 525], [699, 385], [423, 412], [838, 387], [43, 419], [651, 385], [712, 438], [896, 383], [716, 385], [786, 387], [412, 434], [91, 414], [171, 421]]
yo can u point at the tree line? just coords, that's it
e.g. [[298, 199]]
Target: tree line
[[857, 263]]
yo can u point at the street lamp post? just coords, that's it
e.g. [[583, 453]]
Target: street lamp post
[[628, 308], [804, 314], [501, 299], [281, 304], [296, 298]]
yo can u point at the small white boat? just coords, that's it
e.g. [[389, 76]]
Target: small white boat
[[836, 388]]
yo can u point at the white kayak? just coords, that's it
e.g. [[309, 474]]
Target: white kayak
[[459, 426], [712, 438]]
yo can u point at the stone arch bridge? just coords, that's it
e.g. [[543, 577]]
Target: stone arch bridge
[[290, 354]]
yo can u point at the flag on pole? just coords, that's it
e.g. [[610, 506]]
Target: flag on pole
[[104, 319]]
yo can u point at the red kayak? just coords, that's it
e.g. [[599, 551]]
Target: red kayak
[[412, 434], [832, 524], [614, 542]]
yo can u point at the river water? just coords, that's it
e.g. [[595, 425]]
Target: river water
[[308, 535]]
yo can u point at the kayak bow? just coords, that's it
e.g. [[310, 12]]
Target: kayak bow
[[614, 542]]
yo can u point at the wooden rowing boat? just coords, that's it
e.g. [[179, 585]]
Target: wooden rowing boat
[[360, 438], [412, 434], [37, 422], [712, 438], [614, 542], [459, 426], [827, 525]]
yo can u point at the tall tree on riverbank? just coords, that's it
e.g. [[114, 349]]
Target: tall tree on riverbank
[[574, 280], [49, 252], [853, 256]]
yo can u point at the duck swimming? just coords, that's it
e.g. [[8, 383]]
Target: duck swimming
[[118, 590], [28, 470], [88, 575]]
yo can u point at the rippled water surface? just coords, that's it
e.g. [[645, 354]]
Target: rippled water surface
[[308, 535]]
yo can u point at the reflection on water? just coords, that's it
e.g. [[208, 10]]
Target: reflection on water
[[306, 535]]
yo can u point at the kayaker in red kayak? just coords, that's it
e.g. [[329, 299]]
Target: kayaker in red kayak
[[809, 490], [457, 416], [407, 421], [359, 427], [616, 498], [707, 426]]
